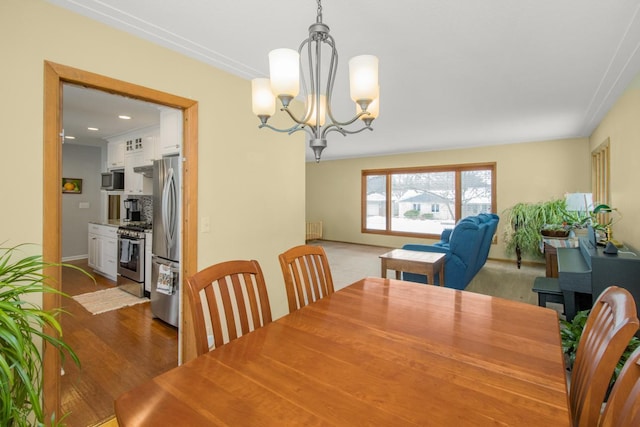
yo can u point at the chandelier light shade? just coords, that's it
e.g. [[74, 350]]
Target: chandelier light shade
[[284, 72], [363, 78], [264, 104], [289, 73]]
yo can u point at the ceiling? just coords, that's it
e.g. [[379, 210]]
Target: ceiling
[[453, 73], [83, 108]]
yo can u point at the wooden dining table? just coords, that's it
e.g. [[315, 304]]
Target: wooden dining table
[[379, 352]]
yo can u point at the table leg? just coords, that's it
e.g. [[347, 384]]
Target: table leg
[[383, 263], [398, 274]]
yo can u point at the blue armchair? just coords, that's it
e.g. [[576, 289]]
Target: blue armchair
[[466, 247]]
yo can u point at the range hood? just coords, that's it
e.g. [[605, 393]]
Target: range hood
[[146, 171]]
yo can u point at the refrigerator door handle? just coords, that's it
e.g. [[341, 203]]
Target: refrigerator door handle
[[169, 208]]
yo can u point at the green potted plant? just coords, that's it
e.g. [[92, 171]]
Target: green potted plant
[[524, 222], [571, 332], [22, 322]]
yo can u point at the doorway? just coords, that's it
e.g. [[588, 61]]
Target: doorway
[[55, 75]]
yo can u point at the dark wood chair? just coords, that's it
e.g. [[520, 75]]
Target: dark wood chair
[[229, 289], [610, 326], [307, 276], [623, 406]]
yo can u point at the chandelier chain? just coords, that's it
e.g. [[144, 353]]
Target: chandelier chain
[[319, 17]]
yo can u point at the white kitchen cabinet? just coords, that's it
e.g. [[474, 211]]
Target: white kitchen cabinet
[[103, 250], [170, 132], [135, 184], [143, 142], [149, 148], [95, 250], [115, 154]]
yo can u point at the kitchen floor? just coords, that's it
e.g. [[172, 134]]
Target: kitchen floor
[[118, 350]]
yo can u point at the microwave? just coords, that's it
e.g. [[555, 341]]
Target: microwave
[[112, 180]]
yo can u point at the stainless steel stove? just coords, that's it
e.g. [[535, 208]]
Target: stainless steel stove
[[131, 259], [134, 229]]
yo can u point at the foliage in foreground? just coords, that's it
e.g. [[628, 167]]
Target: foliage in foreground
[[21, 322], [571, 333]]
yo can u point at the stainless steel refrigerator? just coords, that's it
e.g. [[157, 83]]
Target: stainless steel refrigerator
[[165, 273]]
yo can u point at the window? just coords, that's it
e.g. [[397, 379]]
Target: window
[[424, 201]]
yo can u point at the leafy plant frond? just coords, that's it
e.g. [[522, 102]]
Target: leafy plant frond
[[21, 321], [525, 220]]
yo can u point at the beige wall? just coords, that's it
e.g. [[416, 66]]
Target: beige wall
[[622, 127], [526, 172], [240, 167]]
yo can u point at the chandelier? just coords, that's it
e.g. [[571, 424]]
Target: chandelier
[[287, 74]]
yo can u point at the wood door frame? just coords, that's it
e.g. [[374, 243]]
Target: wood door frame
[[55, 75]]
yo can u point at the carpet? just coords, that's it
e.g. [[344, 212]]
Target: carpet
[[107, 300]]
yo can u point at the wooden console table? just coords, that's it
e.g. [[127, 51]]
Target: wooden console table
[[418, 262], [551, 253]]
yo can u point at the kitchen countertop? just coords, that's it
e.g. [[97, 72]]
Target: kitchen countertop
[[110, 223], [114, 223]]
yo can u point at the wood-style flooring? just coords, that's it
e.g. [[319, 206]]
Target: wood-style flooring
[[118, 350]]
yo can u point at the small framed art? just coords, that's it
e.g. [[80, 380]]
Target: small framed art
[[72, 185]]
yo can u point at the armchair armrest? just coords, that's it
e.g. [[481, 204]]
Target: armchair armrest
[[426, 248]]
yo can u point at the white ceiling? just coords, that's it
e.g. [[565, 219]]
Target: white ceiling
[[83, 108], [453, 73]]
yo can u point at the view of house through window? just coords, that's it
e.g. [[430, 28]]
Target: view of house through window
[[425, 201]]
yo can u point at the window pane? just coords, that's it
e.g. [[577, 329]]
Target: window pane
[[376, 202], [476, 192], [423, 202]]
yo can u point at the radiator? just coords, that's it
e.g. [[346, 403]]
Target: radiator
[[314, 230]]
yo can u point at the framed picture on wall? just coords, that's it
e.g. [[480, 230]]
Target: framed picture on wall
[[72, 185]]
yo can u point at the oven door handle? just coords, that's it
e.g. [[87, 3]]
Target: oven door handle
[[132, 241]]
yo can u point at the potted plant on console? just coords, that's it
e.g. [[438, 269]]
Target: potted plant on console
[[524, 224]]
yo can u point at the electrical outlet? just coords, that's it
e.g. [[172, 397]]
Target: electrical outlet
[[205, 224], [83, 205]]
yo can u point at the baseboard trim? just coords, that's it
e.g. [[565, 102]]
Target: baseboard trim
[[74, 258]]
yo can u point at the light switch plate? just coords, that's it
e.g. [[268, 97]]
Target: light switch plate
[[205, 224]]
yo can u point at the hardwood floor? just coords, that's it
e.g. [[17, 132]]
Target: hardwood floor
[[118, 350]]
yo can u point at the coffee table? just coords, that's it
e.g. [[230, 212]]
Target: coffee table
[[427, 263]]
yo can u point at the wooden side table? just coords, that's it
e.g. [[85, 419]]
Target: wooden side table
[[418, 262], [551, 260]]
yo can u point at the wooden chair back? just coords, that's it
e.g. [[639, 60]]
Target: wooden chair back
[[623, 406], [307, 276], [233, 292], [610, 326]]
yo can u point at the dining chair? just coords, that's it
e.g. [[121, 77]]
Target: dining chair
[[233, 292], [623, 405], [610, 326], [307, 276]]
